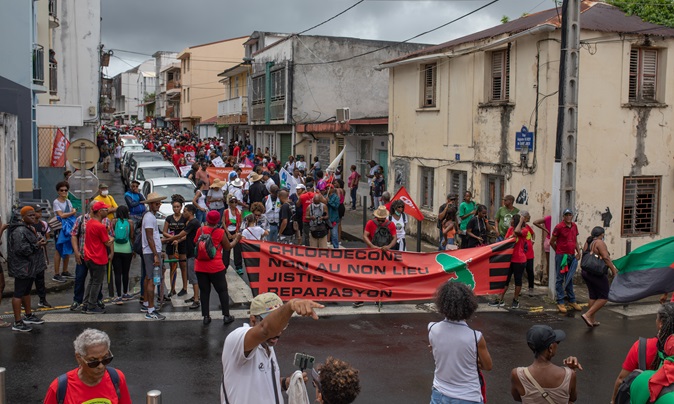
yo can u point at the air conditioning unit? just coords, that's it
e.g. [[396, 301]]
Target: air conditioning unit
[[343, 115]]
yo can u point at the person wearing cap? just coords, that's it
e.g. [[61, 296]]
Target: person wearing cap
[[98, 250], [105, 197], [543, 382], [25, 260], [216, 196], [460, 353], [135, 200], [151, 239], [564, 241], [236, 189], [251, 371]]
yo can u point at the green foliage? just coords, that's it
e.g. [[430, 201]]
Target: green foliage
[[656, 11], [505, 19]]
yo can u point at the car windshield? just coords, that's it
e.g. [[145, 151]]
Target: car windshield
[[156, 172], [147, 157], [186, 190]]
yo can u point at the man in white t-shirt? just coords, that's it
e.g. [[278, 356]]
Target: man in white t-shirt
[[151, 253], [118, 157], [250, 370]]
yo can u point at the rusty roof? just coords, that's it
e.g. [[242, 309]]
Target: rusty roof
[[595, 16]]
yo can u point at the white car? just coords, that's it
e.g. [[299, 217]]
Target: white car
[[128, 139], [168, 187], [146, 170], [132, 147]]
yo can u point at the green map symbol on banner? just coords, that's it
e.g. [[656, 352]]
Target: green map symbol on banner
[[459, 268]]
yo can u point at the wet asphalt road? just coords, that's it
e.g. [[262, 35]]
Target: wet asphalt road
[[182, 358]]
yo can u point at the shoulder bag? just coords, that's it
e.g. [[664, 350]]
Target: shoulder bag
[[592, 263], [540, 389]]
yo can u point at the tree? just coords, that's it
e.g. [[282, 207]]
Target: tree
[[505, 19], [659, 12]]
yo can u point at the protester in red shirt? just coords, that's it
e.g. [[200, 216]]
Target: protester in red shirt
[[567, 253], [93, 381], [236, 150], [98, 249], [176, 158], [530, 251], [372, 226], [306, 197], [518, 261]]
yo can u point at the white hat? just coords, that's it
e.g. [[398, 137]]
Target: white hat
[[300, 186]]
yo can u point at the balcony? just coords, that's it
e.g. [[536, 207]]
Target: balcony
[[53, 14], [171, 84], [233, 106], [38, 64], [53, 87]]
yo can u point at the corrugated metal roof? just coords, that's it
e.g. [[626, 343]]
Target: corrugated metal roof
[[595, 16]]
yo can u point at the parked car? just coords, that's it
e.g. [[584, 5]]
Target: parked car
[[133, 160], [145, 170], [132, 147], [128, 139], [168, 187]]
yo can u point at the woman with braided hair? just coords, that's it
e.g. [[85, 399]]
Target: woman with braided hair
[[174, 225], [665, 325]]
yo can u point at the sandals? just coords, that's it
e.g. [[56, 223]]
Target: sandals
[[4, 324]]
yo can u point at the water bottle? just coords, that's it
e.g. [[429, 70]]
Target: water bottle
[[156, 275]]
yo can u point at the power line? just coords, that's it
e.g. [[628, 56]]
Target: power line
[[401, 42], [331, 18]]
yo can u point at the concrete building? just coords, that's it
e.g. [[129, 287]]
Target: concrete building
[[146, 95], [199, 66], [166, 81], [315, 95], [126, 96], [479, 113]]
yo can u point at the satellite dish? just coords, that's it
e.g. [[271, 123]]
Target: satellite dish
[[83, 154], [83, 184]]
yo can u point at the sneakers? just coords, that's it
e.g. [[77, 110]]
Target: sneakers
[[21, 326], [100, 304], [190, 300], [58, 278], [496, 303], [117, 300], [561, 308], [126, 297], [32, 319], [515, 305], [182, 293], [194, 306], [67, 275], [239, 271], [358, 304], [95, 310], [155, 315], [576, 306], [44, 303], [207, 320], [75, 306], [143, 309]]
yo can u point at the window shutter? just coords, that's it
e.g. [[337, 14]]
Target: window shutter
[[634, 74], [649, 72], [429, 84], [496, 75]]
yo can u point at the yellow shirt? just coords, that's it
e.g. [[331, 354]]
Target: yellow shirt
[[108, 200]]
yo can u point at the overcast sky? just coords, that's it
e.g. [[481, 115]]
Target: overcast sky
[[146, 26]]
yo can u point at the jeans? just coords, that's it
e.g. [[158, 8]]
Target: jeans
[[334, 235], [440, 240], [559, 281], [219, 282], [273, 233], [354, 197], [80, 280], [201, 216], [95, 285], [438, 398]]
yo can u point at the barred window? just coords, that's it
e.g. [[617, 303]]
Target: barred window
[[641, 206], [426, 187]]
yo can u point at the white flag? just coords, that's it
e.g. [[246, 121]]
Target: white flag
[[287, 180], [333, 166]]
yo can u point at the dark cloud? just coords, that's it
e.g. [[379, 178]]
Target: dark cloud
[[146, 26]]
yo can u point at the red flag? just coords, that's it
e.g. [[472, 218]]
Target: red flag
[[410, 207], [58, 153]]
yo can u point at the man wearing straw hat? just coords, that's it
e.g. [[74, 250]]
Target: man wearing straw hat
[[151, 253]]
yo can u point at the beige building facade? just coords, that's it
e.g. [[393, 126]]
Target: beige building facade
[[459, 112], [200, 87]]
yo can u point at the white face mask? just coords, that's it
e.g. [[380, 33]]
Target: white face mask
[[105, 193]]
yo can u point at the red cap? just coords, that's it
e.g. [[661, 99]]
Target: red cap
[[98, 206]]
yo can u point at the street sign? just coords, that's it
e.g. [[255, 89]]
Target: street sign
[[83, 184], [524, 138], [83, 154]]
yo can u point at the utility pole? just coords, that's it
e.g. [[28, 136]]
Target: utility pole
[[564, 170]]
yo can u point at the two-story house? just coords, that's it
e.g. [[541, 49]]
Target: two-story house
[[479, 113]]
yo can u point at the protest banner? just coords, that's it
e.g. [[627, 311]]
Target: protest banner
[[222, 173], [58, 153], [370, 274], [190, 157], [218, 162], [184, 170]]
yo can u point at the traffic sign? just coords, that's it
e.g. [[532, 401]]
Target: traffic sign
[[83, 184], [83, 154], [524, 138]]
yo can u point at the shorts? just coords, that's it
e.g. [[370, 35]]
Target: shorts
[[22, 287], [106, 159], [597, 286], [517, 269], [148, 260], [170, 249], [546, 245], [191, 275]]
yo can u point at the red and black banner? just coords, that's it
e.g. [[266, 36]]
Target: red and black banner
[[367, 274]]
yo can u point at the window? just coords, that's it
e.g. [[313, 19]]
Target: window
[[278, 85], [236, 87], [457, 183], [494, 193], [428, 84], [500, 75], [426, 187], [188, 95], [641, 206], [643, 75], [258, 90]]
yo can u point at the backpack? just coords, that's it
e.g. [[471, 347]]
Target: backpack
[[382, 236], [318, 227], [204, 250], [623, 395], [137, 246], [62, 386], [121, 231]]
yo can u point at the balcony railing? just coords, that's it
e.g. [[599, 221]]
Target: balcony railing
[[171, 84], [233, 106], [38, 64], [53, 86]]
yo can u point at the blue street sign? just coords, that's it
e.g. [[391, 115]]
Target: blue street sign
[[457, 157], [524, 138]]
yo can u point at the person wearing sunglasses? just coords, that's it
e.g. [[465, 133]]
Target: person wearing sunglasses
[[336, 382], [93, 381]]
